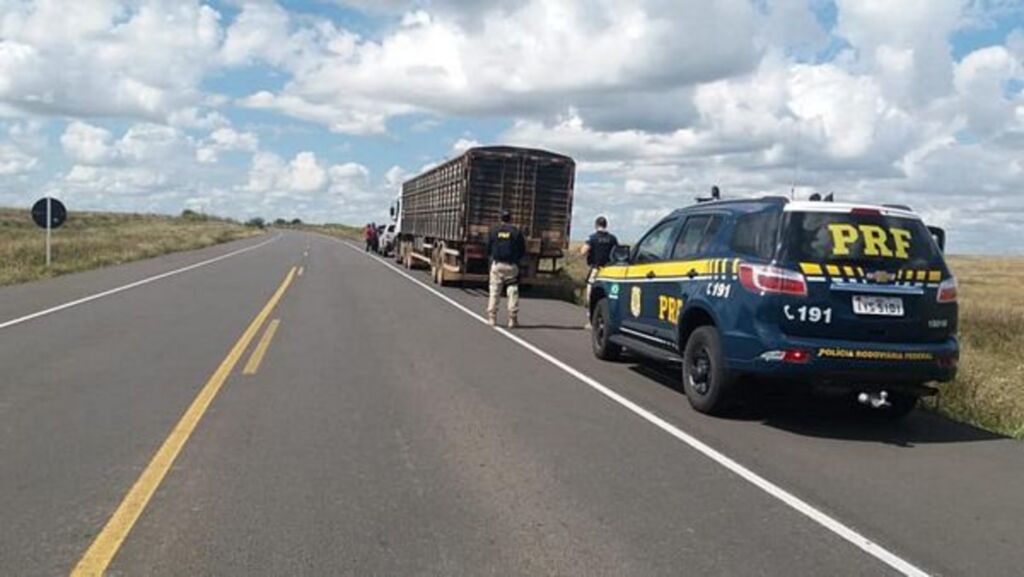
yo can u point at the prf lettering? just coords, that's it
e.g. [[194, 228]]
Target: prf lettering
[[668, 309], [504, 235], [876, 240]]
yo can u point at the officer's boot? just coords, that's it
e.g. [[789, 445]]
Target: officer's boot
[[492, 319], [513, 321]]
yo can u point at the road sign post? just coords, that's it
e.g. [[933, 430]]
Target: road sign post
[[49, 213]]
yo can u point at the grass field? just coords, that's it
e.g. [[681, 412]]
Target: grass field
[[92, 239], [989, 390]]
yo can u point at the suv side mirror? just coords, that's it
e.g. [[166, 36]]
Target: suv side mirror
[[940, 237], [620, 254], [392, 211]]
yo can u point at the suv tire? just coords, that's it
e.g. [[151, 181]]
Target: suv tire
[[707, 382], [600, 333]]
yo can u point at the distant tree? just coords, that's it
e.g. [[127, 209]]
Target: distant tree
[[280, 222], [189, 214], [256, 222], [296, 221]]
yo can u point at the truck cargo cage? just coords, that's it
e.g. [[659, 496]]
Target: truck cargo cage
[[448, 211]]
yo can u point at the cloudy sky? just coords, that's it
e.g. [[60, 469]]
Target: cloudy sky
[[318, 109]]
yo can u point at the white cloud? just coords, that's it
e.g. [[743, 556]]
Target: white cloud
[[463, 144], [527, 58], [140, 60], [270, 174], [226, 140], [305, 174], [14, 161], [87, 143]]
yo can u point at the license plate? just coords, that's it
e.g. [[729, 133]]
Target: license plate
[[879, 306]]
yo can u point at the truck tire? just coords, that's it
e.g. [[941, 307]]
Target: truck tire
[[707, 382], [600, 333]]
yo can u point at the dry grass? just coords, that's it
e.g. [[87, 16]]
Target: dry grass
[[989, 389], [346, 232], [92, 240]]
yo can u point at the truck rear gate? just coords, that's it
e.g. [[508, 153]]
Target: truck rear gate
[[448, 211]]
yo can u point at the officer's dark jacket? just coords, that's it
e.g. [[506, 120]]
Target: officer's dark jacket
[[601, 244], [506, 244]]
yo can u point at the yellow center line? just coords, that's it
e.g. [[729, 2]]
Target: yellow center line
[[99, 555], [261, 347]]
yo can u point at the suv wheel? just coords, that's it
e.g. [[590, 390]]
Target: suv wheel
[[600, 333], [705, 379]]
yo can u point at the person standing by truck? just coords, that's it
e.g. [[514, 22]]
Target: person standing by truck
[[370, 236], [598, 252], [506, 247]]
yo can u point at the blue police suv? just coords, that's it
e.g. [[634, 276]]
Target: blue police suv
[[852, 299]]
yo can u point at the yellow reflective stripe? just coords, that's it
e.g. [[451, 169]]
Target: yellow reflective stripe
[[735, 266], [811, 268], [934, 275], [833, 270], [860, 272], [849, 271], [670, 269], [612, 272], [921, 274]]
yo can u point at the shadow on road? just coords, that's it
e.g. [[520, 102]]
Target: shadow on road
[[830, 417]]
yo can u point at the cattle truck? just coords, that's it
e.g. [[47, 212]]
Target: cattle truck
[[446, 213]]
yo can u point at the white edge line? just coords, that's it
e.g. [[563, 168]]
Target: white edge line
[[818, 516], [132, 285]]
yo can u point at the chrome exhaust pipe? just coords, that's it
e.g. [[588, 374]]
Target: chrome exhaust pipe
[[879, 400]]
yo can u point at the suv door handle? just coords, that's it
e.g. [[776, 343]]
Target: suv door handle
[[650, 274], [692, 273]]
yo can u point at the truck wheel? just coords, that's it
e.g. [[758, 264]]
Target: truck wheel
[[705, 379], [601, 332]]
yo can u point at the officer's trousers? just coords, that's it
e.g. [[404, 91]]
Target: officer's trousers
[[503, 276]]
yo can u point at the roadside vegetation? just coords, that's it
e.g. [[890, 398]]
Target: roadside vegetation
[[989, 389], [352, 233], [94, 239]]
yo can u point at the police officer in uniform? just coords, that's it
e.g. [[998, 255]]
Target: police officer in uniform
[[598, 250], [505, 248]]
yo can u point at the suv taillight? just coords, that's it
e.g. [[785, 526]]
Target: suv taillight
[[772, 279], [947, 291]]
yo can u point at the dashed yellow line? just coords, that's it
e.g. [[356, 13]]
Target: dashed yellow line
[[261, 348], [99, 555]]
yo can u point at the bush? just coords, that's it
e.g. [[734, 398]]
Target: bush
[[189, 214], [256, 222]]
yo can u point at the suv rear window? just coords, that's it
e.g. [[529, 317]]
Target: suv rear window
[[756, 234], [828, 236]]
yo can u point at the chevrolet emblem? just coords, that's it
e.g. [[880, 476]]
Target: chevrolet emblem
[[881, 276]]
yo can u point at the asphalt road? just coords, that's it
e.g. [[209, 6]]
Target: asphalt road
[[387, 432]]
